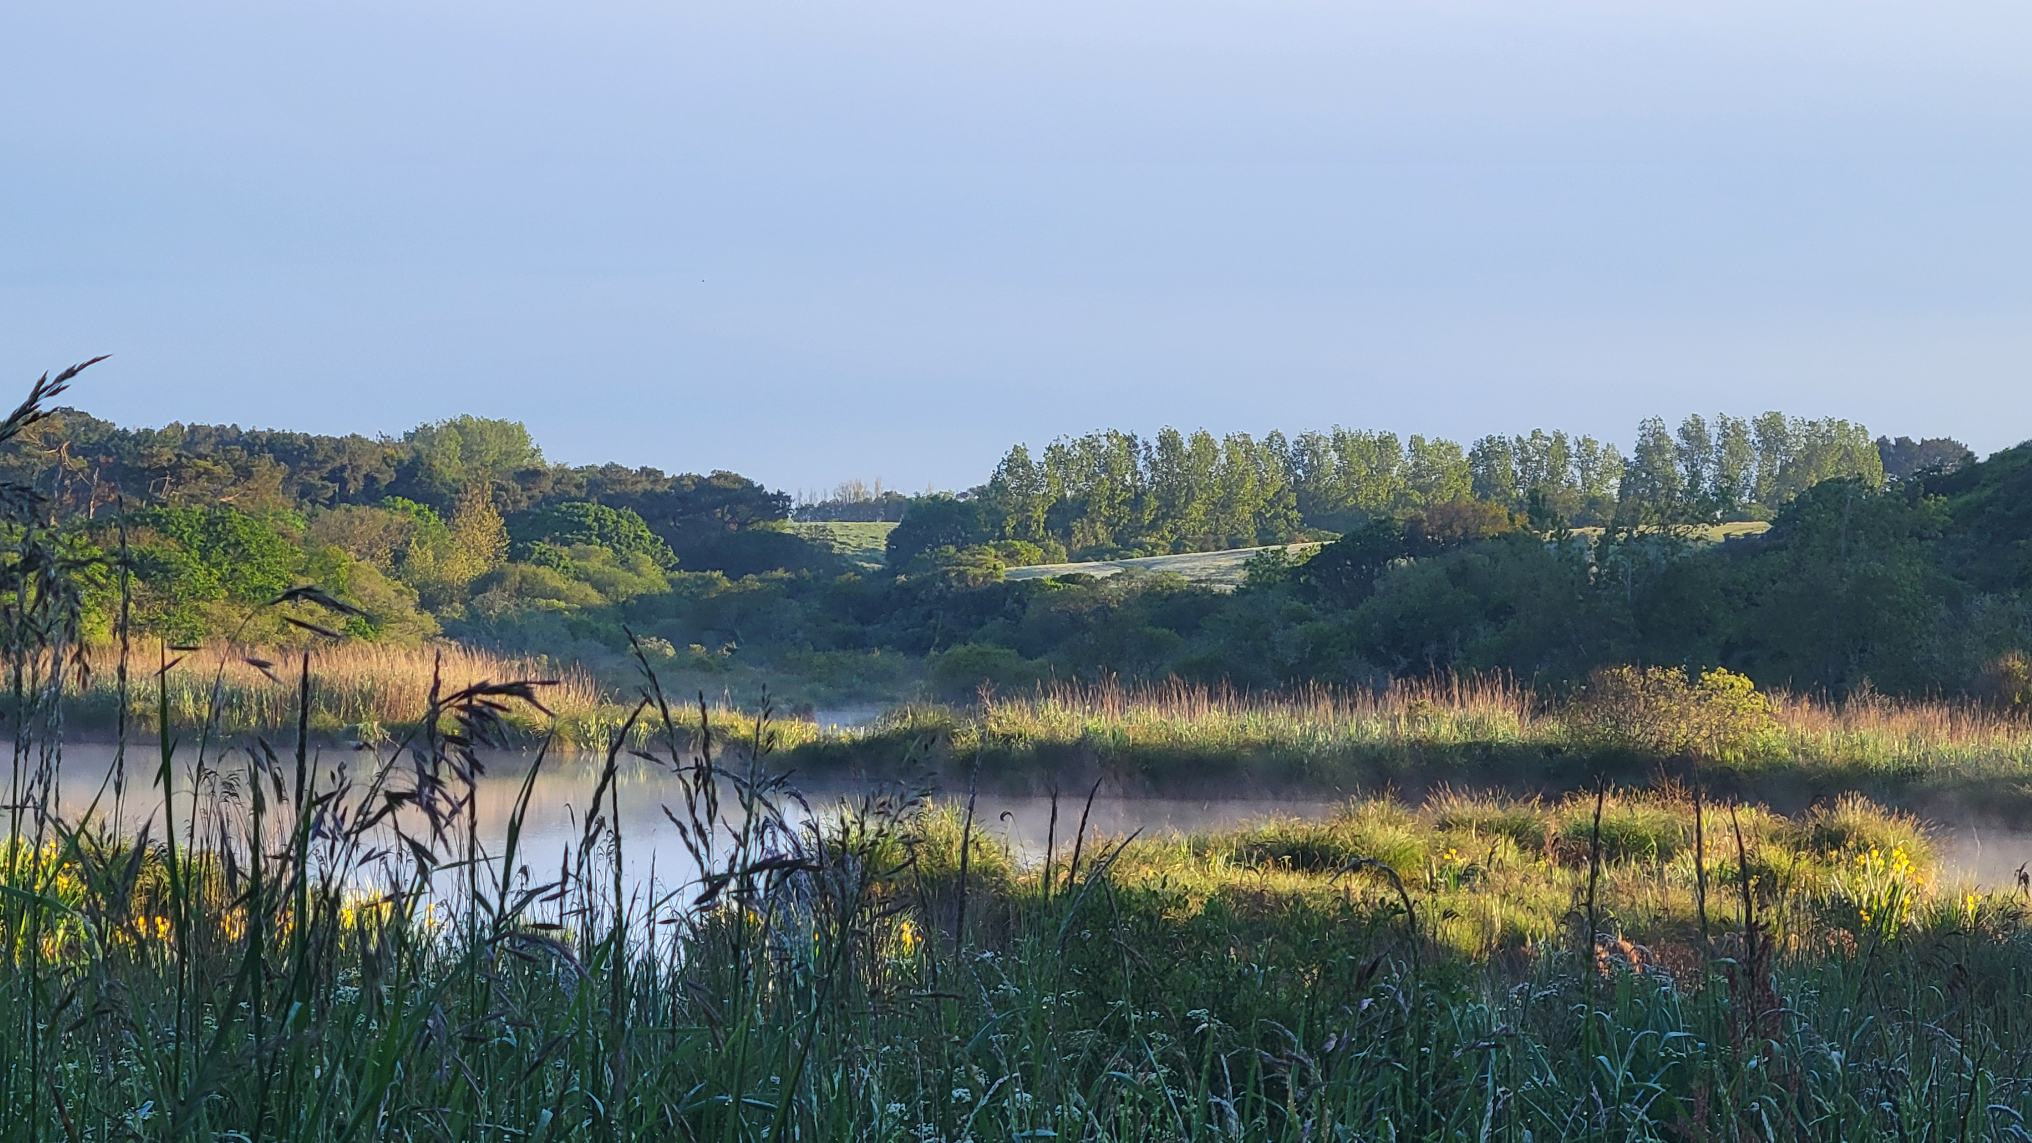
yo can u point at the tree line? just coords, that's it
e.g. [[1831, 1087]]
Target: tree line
[[1895, 561], [441, 528], [1112, 493]]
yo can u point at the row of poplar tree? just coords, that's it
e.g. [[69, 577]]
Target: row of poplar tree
[[1196, 492]]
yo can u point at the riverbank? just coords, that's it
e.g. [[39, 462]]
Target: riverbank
[[1416, 737], [1953, 762]]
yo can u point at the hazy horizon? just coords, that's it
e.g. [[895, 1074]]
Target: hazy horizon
[[812, 243]]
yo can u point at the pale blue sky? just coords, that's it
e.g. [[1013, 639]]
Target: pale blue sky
[[812, 241]]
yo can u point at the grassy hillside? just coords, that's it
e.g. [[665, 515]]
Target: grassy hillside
[[1710, 534], [1226, 568], [863, 543]]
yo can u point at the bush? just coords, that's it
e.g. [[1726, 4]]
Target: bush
[[1655, 710], [578, 522], [934, 522], [2007, 682], [756, 551], [957, 672]]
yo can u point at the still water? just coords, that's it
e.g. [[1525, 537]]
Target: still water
[[564, 787], [1989, 857]]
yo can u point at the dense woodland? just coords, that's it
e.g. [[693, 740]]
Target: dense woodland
[[1892, 565]]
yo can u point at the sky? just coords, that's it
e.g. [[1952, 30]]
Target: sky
[[815, 241]]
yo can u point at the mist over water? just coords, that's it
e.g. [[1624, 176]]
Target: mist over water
[[654, 859], [1988, 856]]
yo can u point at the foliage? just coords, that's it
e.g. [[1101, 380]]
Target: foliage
[[2007, 681], [1989, 509], [323, 948], [187, 559], [1844, 590], [1905, 458], [1657, 711], [1448, 559], [454, 455], [442, 558], [575, 523], [1111, 492], [935, 522], [960, 672]]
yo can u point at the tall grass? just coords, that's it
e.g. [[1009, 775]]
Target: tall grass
[[323, 949], [1921, 739], [1420, 735], [1411, 735], [369, 689], [367, 692]]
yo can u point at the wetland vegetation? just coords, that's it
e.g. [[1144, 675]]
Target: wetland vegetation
[[1563, 897]]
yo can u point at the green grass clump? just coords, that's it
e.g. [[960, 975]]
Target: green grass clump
[[1854, 825], [1376, 830]]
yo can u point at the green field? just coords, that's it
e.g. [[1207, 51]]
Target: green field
[[860, 542], [1710, 534], [1226, 568], [1229, 568]]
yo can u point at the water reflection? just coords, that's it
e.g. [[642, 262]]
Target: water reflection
[[647, 795], [1991, 858]]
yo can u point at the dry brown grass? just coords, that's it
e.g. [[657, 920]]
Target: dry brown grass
[[1485, 701], [365, 689], [369, 692]]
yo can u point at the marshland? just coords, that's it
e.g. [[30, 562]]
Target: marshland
[[464, 804]]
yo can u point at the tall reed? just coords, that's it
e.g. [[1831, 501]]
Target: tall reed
[[1426, 733]]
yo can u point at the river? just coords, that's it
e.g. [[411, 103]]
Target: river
[[1987, 856]]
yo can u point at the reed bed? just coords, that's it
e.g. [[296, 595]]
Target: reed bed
[[364, 692], [1313, 718], [1419, 735], [366, 687], [294, 963], [1921, 739]]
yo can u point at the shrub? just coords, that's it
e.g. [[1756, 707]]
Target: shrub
[[577, 522], [1657, 711], [2007, 682], [959, 671]]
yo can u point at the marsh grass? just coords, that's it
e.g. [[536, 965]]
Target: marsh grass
[[367, 692], [1505, 875], [1422, 736], [327, 951]]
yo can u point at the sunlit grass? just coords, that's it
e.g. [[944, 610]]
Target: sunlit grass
[[369, 692], [1426, 734]]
